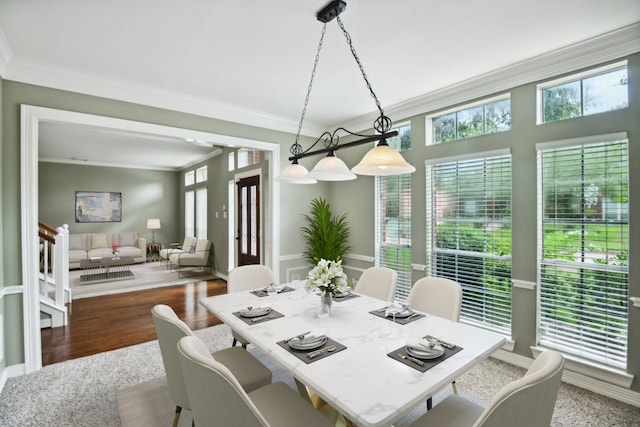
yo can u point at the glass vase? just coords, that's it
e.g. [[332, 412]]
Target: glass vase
[[325, 305]]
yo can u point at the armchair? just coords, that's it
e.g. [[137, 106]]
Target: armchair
[[199, 260]]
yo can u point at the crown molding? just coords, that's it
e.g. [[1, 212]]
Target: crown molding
[[597, 50], [40, 74]]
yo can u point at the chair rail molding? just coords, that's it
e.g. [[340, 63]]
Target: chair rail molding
[[523, 284]]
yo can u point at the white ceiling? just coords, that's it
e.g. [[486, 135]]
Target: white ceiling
[[250, 61]]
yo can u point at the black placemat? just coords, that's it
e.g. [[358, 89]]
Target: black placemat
[[263, 293], [273, 314], [346, 297], [399, 320], [427, 363], [303, 354]]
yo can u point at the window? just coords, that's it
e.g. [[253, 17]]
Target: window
[[195, 203], [189, 213], [491, 116], [603, 89], [201, 213], [583, 270], [248, 157], [201, 174], [232, 161], [393, 218], [469, 234], [189, 178]]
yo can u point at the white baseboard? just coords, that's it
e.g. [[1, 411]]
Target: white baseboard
[[577, 379]]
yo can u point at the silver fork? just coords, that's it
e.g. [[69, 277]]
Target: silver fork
[[413, 359]]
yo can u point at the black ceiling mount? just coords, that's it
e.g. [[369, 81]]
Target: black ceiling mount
[[331, 10]]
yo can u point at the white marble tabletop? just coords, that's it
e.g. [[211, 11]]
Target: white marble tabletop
[[362, 382]]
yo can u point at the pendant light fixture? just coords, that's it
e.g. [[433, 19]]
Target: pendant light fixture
[[381, 160]]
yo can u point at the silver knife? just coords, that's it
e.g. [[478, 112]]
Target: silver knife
[[266, 316], [321, 351], [442, 343]]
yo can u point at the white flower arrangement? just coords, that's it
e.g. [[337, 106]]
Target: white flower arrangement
[[327, 277]]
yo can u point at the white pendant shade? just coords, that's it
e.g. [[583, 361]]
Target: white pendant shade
[[295, 174], [383, 161], [331, 168]]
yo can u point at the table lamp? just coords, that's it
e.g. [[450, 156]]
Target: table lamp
[[153, 224]]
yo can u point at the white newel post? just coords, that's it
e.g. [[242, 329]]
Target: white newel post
[[65, 267], [59, 254]]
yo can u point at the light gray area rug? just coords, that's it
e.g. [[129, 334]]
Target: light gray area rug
[[87, 391], [147, 276]]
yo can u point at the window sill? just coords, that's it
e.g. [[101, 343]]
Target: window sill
[[587, 375], [592, 369]]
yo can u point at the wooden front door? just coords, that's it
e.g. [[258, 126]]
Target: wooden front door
[[249, 220]]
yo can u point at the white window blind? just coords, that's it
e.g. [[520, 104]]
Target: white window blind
[[393, 219], [583, 242], [469, 235], [201, 213], [393, 228], [189, 214]]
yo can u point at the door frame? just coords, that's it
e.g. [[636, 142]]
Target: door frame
[[30, 118], [264, 234]]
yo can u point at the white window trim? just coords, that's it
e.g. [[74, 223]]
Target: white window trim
[[584, 140], [429, 119], [571, 78]]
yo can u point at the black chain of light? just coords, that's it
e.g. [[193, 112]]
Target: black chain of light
[[296, 148], [382, 123]]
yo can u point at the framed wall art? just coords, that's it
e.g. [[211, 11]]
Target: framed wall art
[[98, 206]]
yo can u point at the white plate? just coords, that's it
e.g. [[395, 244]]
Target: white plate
[[298, 344], [423, 353], [401, 314], [255, 312], [343, 294]]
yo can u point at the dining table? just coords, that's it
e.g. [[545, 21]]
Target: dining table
[[363, 369]]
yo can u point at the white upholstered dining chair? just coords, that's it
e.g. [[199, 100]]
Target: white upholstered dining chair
[[248, 370], [217, 398], [526, 402], [246, 278], [438, 296], [378, 282]]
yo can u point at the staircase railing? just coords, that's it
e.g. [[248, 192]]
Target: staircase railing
[[54, 267]]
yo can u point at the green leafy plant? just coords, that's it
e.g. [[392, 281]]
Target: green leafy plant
[[326, 235]]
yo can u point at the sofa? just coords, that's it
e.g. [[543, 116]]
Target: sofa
[[88, 245]]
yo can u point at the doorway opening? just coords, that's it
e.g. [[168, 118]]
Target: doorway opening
[[31, 117]]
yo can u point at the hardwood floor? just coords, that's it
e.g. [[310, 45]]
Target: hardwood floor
[[109, 322]]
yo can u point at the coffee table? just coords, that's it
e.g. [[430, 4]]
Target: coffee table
[[99, 270]]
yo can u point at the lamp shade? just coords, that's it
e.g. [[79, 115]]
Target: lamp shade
[[153, 224], [331, 168], [295, 174], [383, 160]]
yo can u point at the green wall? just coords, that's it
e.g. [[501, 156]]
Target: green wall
[[15, 94], [357, 197], [354, 197], [145, 194], [3, 359]]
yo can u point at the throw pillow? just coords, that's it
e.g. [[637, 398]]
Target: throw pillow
[[98, 241], [126, 239], [75, 241]]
